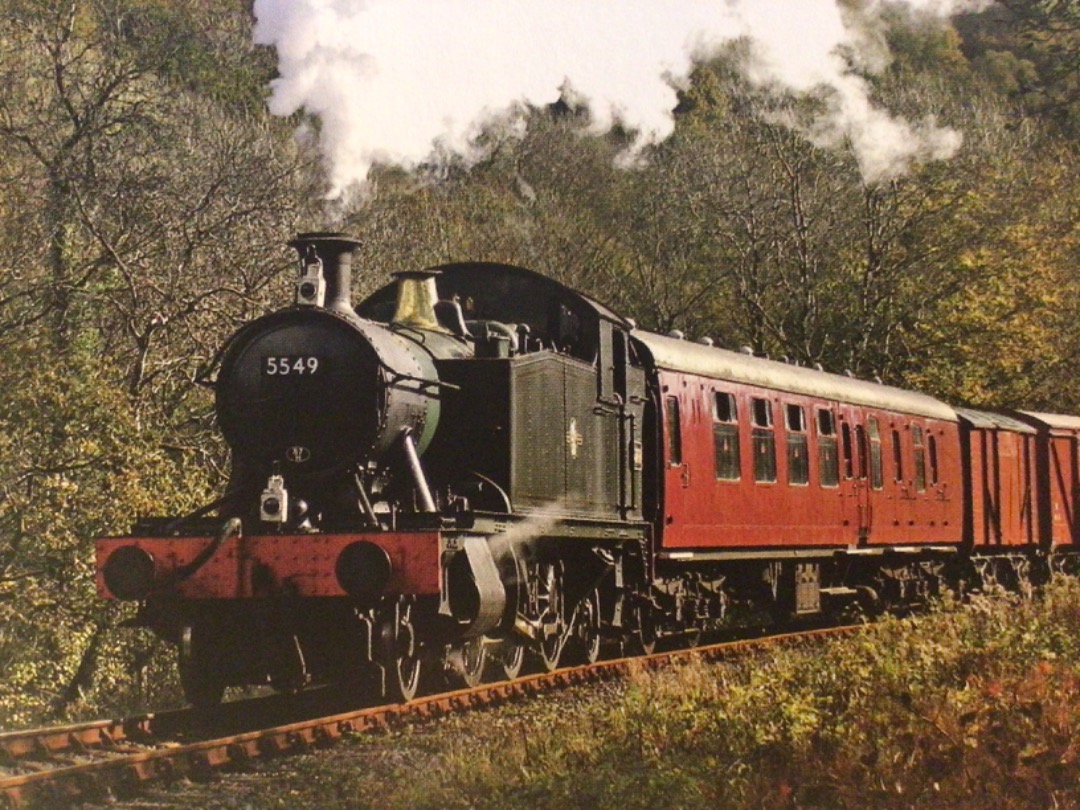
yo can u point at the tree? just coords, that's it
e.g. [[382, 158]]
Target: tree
[[1009, 336], [1030, 49], [148, 222]]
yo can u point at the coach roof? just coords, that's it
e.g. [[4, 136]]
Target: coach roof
[[721, 364], [1053, 421], [987, 420]]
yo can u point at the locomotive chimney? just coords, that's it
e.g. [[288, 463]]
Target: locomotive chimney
[[416, 299], [334, 252]]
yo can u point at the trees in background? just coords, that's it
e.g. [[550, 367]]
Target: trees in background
[[145, 196], [740, 229], [1029, 50], [143, 220]]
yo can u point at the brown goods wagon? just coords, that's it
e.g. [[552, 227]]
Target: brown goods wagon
[[1057, 475], [999, 474]]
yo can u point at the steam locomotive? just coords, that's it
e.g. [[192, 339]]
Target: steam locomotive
[[478, 466]]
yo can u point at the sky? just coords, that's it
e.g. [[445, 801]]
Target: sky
[[392, 79]]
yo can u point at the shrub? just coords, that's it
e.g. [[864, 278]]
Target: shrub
[[970, 707]]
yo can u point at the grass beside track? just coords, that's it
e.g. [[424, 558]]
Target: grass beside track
[[970, 707]]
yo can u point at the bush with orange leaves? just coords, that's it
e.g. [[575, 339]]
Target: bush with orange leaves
[[975, 705]]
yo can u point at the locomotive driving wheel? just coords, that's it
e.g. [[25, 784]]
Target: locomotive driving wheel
[[200, 672], [583, 645], [505, 660], [552, 622], [550, 649], [402, 656], [464, 662]]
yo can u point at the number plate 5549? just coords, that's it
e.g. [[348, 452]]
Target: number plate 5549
[[286, 366]]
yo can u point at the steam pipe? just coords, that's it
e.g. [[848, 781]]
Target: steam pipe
[[412, 461]]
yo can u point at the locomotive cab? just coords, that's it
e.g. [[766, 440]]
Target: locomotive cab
[[548, 412]]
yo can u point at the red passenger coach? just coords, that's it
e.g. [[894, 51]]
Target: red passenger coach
[[761, 455]]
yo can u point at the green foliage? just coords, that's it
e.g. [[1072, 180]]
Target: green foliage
[[1006, 333], [202, 46], [970, 707], [1030, 50], [78, 459], [145, 195]]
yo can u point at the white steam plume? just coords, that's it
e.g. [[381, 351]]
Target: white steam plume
[[389, 79]]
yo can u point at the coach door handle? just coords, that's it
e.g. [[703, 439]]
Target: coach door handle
[[686, 475]]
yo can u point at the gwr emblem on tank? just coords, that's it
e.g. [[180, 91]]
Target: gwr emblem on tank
[[297, 454], [574, 439]]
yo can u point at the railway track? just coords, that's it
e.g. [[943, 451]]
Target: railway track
[[60, 765]]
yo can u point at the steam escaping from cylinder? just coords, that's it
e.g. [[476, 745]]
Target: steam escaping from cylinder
[[487, 579], [539, 523], [390, 80]]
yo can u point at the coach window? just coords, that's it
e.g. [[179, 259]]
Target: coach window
[[797, 461], [877, 477], [931, 446], [674, 432], [764, 442], [898, 456], [849, 459], [860, 443], [726, 436], [828, 458], [920, 458]]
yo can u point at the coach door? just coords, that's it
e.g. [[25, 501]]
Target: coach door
[[676, 467], [688, 464], [858, 510]]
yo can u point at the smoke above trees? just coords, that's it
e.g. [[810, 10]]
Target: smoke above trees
[[391, 80]]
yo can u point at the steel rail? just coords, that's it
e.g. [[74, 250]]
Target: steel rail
[[77, 737], [144, 729], [117, 769]]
